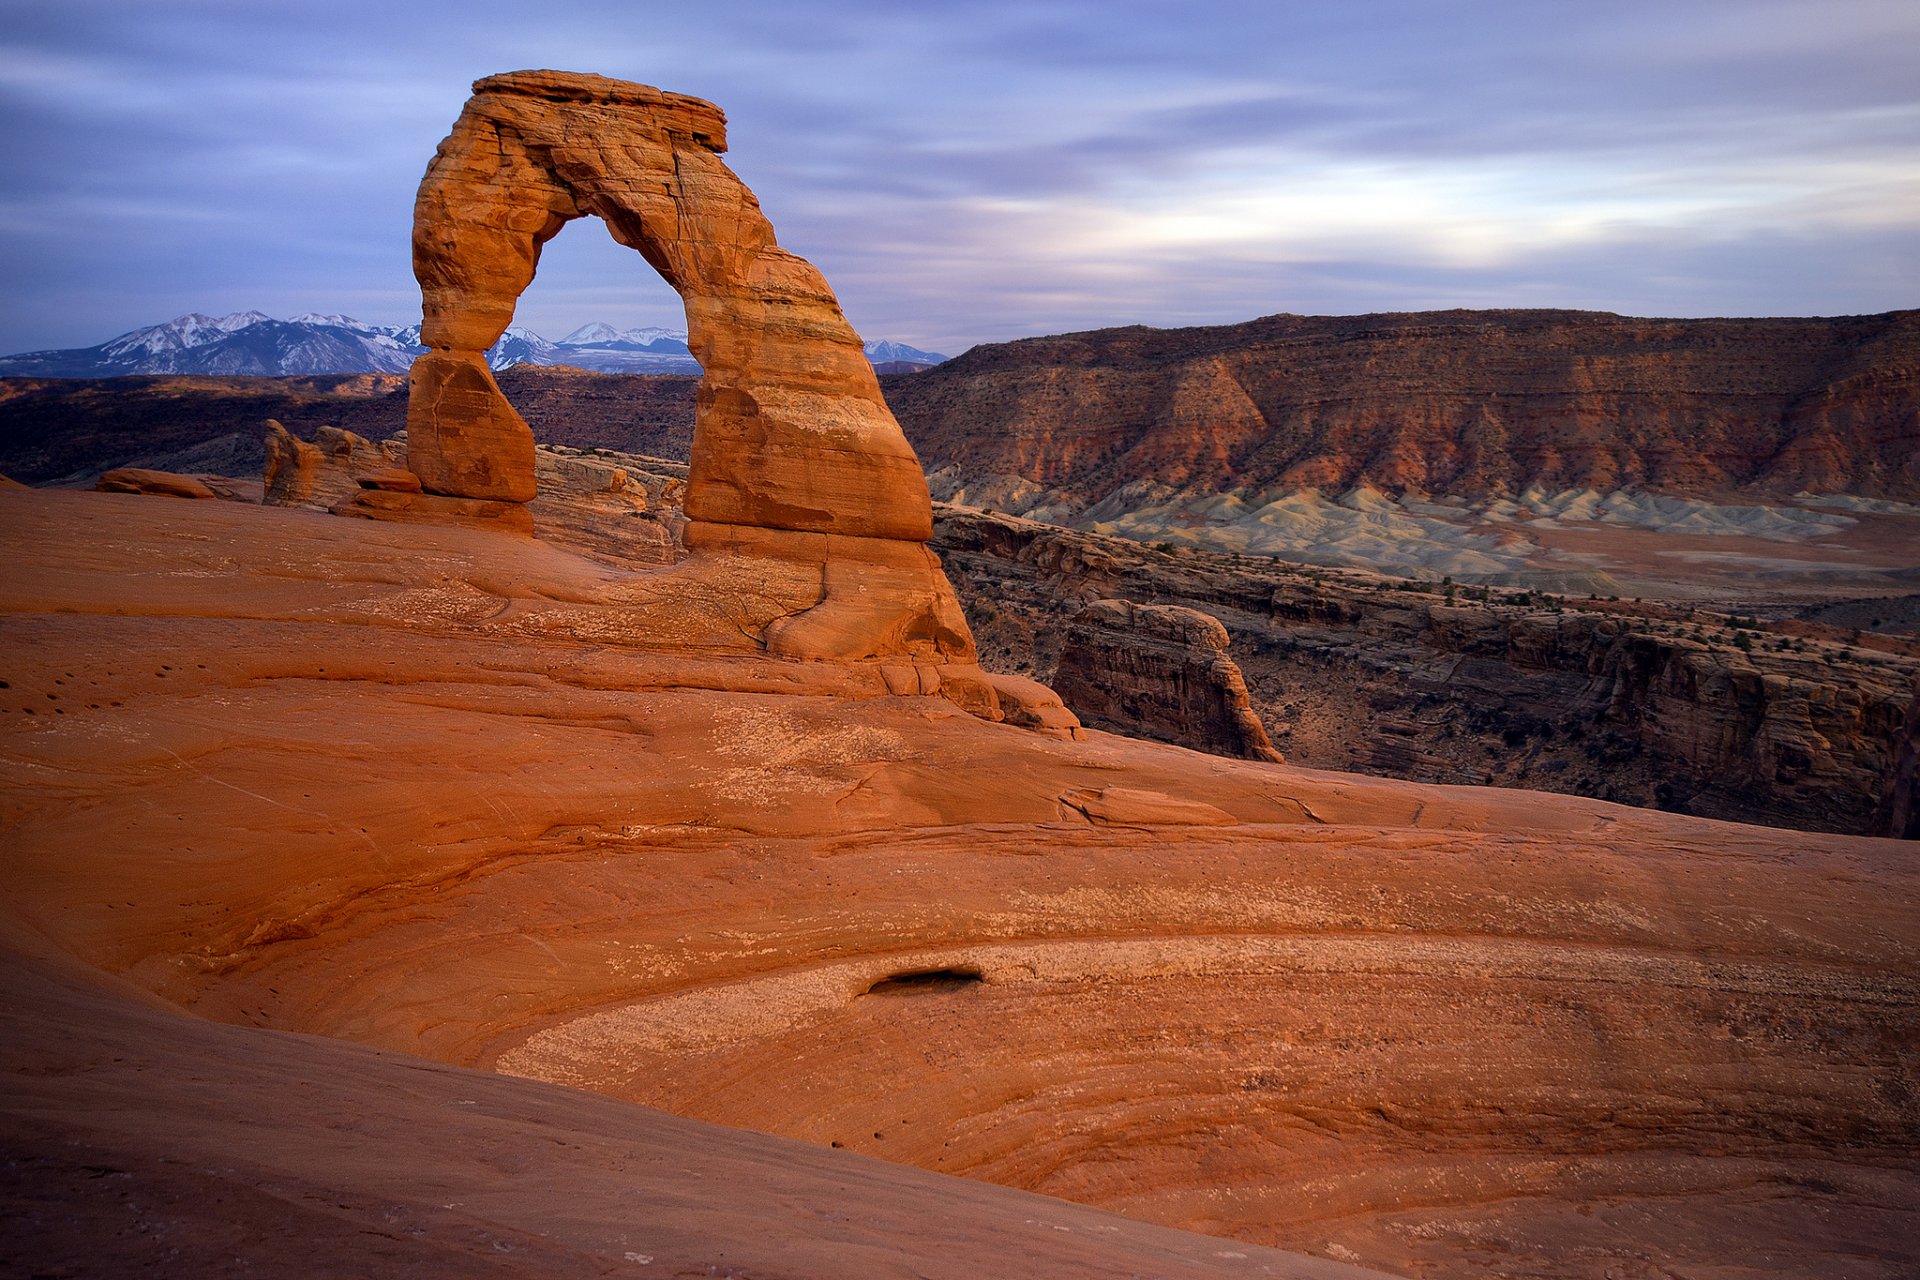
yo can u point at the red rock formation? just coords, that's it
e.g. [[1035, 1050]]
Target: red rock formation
[[161, 483], [330, 469], [1159, 671], [1461, 402], [474, 798], [796, 466], [792, 432]]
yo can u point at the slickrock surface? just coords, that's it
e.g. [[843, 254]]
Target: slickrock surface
[[1160, 671], [1701, 710], [1455, 402], [141, 1142], [483, 799]]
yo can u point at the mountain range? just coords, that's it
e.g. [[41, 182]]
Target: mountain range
[[252, 343]]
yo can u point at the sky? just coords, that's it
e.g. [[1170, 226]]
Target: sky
[[972, 172]]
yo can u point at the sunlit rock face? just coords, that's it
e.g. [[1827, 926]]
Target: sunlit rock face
[[799, 475], [792, 431], [488, 800]]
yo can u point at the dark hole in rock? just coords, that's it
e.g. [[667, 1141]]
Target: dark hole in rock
[[925, 980]]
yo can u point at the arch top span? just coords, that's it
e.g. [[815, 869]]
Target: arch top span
[[791, 432], [698, 119]]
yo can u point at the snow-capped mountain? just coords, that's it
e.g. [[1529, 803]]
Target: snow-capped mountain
[[178, 334], [250, 343], [523, 346], [598, 334], [884, 352], [247, 343]]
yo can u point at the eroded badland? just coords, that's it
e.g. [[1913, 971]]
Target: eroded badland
[[752, 839]]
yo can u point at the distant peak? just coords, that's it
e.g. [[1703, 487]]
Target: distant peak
[[599, 332], [337, 321]]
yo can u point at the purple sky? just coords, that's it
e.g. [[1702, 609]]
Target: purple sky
[[973, 172]]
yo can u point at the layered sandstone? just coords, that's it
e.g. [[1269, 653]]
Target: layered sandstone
[[486, 800], [1161, 671], [1466, 403], [329, 469]]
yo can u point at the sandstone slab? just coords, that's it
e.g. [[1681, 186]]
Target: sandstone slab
[[472, 798], [166, 484]]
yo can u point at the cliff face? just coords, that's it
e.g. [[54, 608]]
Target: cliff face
[[1469, 403], [1161, 671], [1665, 707]]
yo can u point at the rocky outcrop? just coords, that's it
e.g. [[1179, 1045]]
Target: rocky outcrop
[[331, 468], [1159, 671], [1466, 403], [166, 484]]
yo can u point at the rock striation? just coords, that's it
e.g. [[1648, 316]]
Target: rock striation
[[330, 469], [1160, 670], [1467, 403]]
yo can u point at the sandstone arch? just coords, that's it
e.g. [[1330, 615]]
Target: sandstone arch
[[808, 513], [791, 433]]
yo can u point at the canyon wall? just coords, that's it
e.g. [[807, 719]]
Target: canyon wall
[[1466, 403], [1649, 705]]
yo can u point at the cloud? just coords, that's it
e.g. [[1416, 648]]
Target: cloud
[[965, 173]]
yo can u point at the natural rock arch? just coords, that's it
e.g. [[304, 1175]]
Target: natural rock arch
[[808, 514], [791, 431]]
